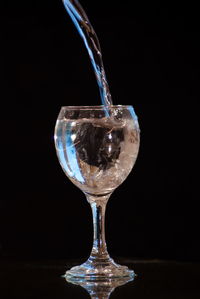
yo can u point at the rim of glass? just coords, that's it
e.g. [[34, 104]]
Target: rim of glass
[[99, 107]]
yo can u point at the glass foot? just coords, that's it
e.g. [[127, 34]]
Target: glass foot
[[94, 269], [103, 288]]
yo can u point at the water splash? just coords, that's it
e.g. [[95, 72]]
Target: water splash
[[91, 41]]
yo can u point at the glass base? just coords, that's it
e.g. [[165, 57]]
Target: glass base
[[98, 270]]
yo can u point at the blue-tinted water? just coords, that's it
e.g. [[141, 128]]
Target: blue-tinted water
[[91, 41]]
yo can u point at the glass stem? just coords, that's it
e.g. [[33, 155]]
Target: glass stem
[[98, 205]]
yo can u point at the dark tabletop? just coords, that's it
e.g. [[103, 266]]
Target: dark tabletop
[[43, 279]]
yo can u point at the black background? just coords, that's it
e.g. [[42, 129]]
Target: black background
[[151, 57]]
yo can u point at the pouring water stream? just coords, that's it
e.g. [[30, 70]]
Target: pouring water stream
[[91, 42]]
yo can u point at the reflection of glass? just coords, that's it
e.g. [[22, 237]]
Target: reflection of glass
[[101, 289], [97, 153]]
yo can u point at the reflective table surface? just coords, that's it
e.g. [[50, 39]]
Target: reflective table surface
[[44, 279]]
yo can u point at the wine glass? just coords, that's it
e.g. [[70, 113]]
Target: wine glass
[[97, 147]]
